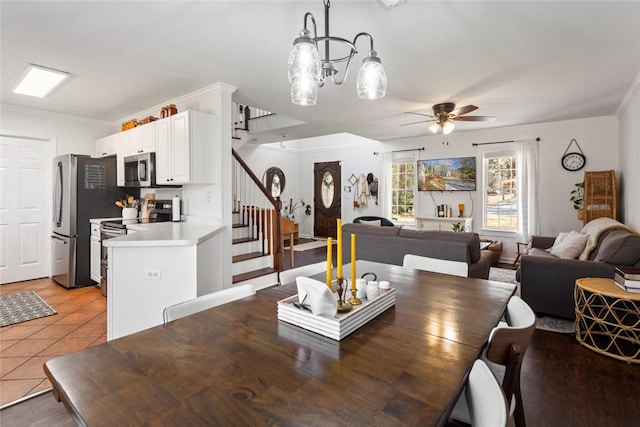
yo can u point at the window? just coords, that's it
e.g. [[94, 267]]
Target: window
[[403, 178], [501, 195]]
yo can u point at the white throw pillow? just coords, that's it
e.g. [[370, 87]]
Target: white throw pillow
[[559, 239], [375, 222], [571, 246]]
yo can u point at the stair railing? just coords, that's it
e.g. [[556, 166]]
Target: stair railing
[[259, 210]]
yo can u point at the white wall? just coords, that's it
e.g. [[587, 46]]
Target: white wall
[[296, 159], [598, 138], [629, 178], [73, 134]]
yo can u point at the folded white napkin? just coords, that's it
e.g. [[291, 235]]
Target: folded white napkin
[[318, 296]]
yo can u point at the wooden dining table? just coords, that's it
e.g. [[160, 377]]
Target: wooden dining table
[[237, 364]]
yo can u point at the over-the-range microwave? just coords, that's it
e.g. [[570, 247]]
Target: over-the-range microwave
[[140, 170]]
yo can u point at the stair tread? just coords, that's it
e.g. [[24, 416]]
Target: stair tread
[[244, 240], [247, 256], [239, 225], [252, 274]]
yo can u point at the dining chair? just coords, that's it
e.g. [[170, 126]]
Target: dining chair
[[204, 302], [504, 353], [289, 276], [455, 268], [487, 404]]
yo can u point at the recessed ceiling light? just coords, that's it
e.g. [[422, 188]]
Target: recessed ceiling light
[[39, 81]]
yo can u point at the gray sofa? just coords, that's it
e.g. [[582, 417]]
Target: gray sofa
[[547, 283], [389, 245]]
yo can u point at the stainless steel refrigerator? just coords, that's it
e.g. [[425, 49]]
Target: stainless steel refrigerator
[[83, 188]]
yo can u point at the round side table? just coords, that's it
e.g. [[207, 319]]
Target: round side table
[[608, 319]]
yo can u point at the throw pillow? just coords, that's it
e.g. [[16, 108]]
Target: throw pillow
[[375, 222], [571, 246], [559, 239], [620, 248]]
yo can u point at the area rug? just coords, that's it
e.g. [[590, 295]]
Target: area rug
[[16, 308], [552, 324], [311, 245], [297, 242], [503, 275]]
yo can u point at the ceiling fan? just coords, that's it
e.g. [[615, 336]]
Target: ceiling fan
[[444, 114]]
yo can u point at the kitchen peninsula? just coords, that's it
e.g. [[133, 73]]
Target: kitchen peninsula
[[159, 265]]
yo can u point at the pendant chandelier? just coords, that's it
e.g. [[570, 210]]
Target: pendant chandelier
[[308, 71]]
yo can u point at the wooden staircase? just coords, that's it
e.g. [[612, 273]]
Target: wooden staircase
[[257, 239]]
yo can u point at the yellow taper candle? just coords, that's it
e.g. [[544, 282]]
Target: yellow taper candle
[[339, 260], [353, 264], [329, 264]]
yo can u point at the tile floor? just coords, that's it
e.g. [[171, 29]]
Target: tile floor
[[81, 322]]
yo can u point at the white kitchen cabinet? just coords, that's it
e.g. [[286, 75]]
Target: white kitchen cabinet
[[185, 147], [142, 139], [94, 250], [161, 265], [106, 146]]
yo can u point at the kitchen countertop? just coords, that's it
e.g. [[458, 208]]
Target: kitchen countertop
[[165, 234], [100, 220]]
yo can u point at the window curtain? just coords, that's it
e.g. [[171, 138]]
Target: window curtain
[[528, 208], [384, 184]]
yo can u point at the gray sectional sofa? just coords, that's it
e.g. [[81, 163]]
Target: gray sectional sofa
[[547, 282], [390, 244]]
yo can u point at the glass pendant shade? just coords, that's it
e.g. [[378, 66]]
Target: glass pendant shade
[[304, 69], [304, 91], [447, 127], [434, 127], [372, 79]]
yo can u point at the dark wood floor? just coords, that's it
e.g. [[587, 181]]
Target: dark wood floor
[[563, 384]]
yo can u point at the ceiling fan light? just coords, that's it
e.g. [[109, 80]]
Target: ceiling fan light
[[447, 127], [372, 79], [304, 59], [434, 127], [304, 91]]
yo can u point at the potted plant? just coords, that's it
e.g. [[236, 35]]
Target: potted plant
[[457, 227], [577, 198], [289, 209]]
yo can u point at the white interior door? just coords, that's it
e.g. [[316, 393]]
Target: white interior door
[[24, 207]]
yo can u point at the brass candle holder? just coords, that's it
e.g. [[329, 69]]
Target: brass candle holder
[[343, 306], [354, 300]]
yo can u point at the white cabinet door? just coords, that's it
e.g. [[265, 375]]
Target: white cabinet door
[[95, 258], [106, 146], [180, 139], [163, 151], [142, 139], [122, 149]]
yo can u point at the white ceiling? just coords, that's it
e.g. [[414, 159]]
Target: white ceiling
[[523, 62]]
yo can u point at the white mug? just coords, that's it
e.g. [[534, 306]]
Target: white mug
[[372, 290], [361, 286]]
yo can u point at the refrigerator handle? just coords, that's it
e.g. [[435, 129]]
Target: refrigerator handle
[[64, 242], [58, 196]]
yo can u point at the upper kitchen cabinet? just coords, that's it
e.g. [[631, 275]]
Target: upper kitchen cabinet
[[114, 145], [142, 139], [107, 146], [185, 146]]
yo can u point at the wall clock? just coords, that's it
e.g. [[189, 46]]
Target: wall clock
[[573, 161]]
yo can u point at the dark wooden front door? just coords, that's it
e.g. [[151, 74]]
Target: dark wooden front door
[[326, 198]]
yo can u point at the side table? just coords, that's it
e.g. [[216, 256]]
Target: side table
[[608, 319]]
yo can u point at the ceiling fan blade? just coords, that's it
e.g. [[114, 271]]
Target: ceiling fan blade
[[475, 118], [464, 110], [421, 121], [418, 114]]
